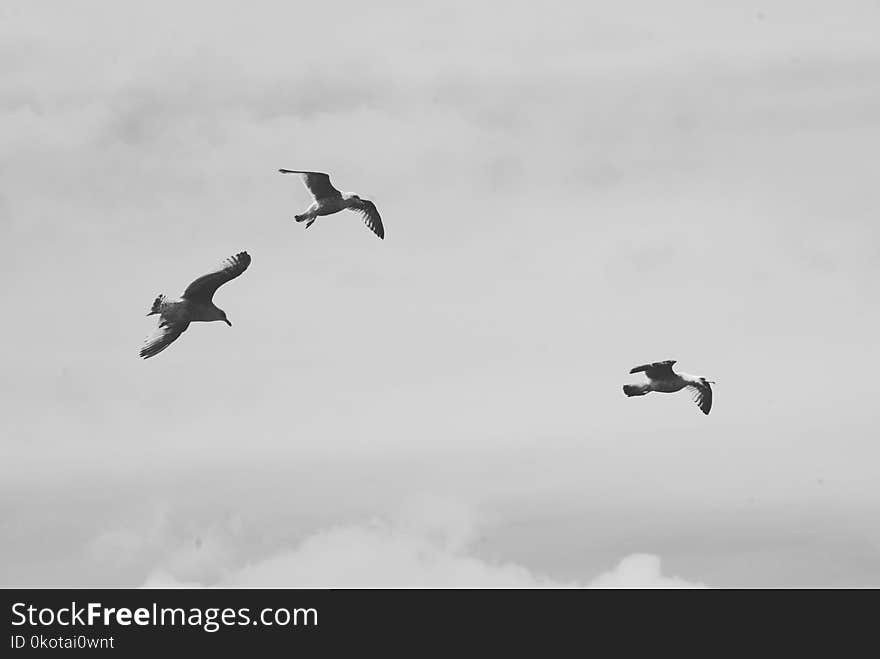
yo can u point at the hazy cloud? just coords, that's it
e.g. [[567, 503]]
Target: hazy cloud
[[429, 544]]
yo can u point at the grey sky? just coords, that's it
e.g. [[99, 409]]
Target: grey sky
[[568, 190]]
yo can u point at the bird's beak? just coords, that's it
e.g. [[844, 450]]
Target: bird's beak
[[227, 322]]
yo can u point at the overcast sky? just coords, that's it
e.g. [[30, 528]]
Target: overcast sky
[[568, 190]]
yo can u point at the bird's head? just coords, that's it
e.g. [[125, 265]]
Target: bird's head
[[708, 381], [219, 314]]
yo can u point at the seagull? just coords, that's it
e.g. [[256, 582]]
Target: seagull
[[329, 200], [194, 305], [662, 378]]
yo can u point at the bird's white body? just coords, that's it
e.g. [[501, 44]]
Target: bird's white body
[[670, 385], [186, 311], [331, 205]]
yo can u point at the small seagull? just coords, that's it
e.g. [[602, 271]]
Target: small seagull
[[329, 200], [662, 378], [194, 305]]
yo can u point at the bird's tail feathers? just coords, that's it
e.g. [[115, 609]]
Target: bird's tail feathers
[[305, 217], [635, 389], [158, 303]]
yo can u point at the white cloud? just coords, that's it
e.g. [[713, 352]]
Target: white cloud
[[427, 545], [640, 571], [186, 546]]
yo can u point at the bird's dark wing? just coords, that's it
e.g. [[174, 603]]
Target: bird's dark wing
[[702, 396], [203, 288], [318, 183], [371, 217], [165, 334], [656, 370]]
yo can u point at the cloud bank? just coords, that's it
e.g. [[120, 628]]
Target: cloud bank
[[428, 545]]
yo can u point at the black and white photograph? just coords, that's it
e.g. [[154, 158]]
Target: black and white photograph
[[439, 296]]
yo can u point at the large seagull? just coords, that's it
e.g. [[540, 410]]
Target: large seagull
[[329, 200], [662, 378], [194, 305]]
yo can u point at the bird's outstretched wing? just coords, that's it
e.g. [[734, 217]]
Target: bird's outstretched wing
[[656, 370], [166, 334], [371, 217], [702, 396], [203, 288], [318, 183]]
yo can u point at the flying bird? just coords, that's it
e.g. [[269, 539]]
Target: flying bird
[[662, 378], [329, 200], [194, 305]]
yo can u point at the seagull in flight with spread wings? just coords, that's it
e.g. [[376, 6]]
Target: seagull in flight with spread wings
[[329, 200], [662, 378], [194, 305]]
